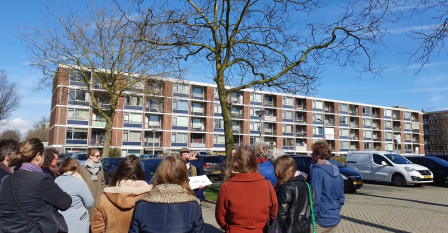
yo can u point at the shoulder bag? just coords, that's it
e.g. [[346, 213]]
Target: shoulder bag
[[272, 225], [311, 206]]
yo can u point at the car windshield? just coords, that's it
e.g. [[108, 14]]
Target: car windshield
[[338, 164], [398, 159]]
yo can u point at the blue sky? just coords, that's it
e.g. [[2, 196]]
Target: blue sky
[[397, 85]]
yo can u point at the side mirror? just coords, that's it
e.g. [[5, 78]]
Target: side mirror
[[384, 163]]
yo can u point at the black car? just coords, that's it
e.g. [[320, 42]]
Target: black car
[[352, 178], [149, 167], [212, 166], [444, 157], [438, 167], [109, 165]]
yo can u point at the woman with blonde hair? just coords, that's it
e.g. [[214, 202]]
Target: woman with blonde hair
[[114, 210], [29, 198], [93, 174], [294, 208], [171, 204], [246, 200], [69, 180]]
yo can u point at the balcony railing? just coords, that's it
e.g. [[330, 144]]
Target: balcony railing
[[270, 118]]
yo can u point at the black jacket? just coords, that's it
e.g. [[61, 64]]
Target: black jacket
[[37, 195], [294, 213]]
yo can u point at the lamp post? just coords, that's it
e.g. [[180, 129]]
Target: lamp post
[[153, 140], [260, 113]]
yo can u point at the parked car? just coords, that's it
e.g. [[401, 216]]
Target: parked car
[[81, 157], [147, 156], [109, 165], [444, 157], [386, 166], [352, 179], [149, 167], [212, 166], [438, 167]]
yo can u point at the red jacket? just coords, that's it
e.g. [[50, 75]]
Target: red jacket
[[243, 203]]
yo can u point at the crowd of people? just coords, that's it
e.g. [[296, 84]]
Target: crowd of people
[[259, 191]]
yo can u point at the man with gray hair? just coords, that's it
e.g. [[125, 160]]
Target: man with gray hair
[[265, 166], [7, 148]]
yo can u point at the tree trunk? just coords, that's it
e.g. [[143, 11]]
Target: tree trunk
[[225, 112], [108, 136]]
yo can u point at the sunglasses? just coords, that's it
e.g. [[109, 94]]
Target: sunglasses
[[96, 156]]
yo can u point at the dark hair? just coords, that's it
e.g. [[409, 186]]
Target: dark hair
[[244, 161], [8, 147], [91, 152], [172, 170], [285, 168], [69, 164], [322, 149], [129, 168], [49, 156], [26, 152]]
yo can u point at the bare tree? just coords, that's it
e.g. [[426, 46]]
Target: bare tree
[[40, 130], [278, 45], [102, 46], [9, 97], [11, 134]]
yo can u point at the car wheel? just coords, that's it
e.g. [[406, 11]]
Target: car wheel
[[398, 180]]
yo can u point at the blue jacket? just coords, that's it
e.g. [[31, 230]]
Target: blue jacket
[[266, 169], [167, 208], [328, 184]]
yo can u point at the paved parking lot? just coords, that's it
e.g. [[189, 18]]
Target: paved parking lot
[[383, 208]]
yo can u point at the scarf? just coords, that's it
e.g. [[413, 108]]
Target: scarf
[[261, 160], [324, 161], [30, 167], [93, 168]]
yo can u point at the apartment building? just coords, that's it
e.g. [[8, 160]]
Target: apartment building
[[184, 113], [435, 126]]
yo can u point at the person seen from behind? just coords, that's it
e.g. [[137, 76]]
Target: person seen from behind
[[93, 175], [50, 165], [8, 147], [114, 210], [71, 182], [171, 205], [246, 200], [294, 210], [328, 184], [265, 166], [29, 199]]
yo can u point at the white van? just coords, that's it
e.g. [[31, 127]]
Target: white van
[[388, 167]]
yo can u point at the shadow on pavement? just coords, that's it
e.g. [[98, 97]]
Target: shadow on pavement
[[211, 229], [402, 199], [373, 225]]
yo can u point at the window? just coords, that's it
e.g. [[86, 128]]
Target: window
[[317, 104], [153, 120], [254, 110], [154, 104], [180, 121], [180, 105], [317, 117], [407, 115], [197, 107], [388, 135], [387, 113], [255, 126], [217, 108], [219, 124], [197, 123], [287, 115], [133, 101], [76, 134], [78, 95], [343, 132], [344, 145], [78, 114], [198, 92], [407, 137], [367, 122], [218, 139], [317, 130], [288, 100], [133, 118], [287, 128], [179, 137], [79, 76], [407, 126], [181, 88], [343, 120], [288, 142], [367, 133], [132, 136], [343, 107], [389, 146], [256, 97], [366, 110], [388, 124], [378, 159]]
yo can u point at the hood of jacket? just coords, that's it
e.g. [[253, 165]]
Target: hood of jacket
[[169, 193], [332, 170], [127, 192]]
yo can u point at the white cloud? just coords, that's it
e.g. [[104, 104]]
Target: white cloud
[[17, 123], [404, 30], [437, 98]]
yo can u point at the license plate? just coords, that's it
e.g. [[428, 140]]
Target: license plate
[[357, 182], [427, 177], [217, 172]]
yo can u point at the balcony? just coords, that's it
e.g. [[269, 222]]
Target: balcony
[[396, 128], [269, 131], [301, 134], [197, 127], [153, 125], [270, 118], [353, 125], [197, 144], [354, 137], [329, 123], [301, 148], [236, 115]]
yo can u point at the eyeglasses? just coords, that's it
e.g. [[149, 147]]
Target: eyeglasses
[[96, 156]]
